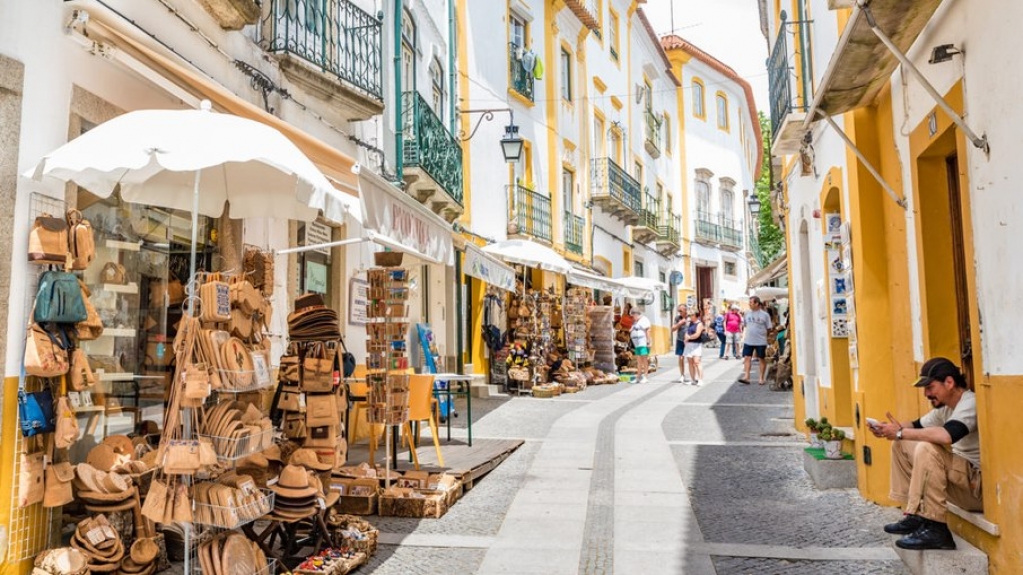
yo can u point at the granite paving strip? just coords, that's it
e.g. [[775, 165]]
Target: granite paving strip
[[544, 528]]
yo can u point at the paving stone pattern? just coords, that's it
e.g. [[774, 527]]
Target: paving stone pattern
[[391, 560], [760, 566], [597, 556]]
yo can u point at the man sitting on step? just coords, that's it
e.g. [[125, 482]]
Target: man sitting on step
[[925, 473]]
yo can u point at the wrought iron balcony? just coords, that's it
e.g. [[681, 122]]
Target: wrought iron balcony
[[530, 214], [433, 158], [522, 80], [654, 134], [645, 229], [756, 255], [615, 191], [331, 40], [669, 235], [574, 226], [788, 109], [717, 230]]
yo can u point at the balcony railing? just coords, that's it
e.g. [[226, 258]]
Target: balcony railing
[[670, 229], [429, 145], [650, 213], [754, 249], [780, 80], [337, 37], [532, 212], [654, 134], [717, 229], [609, 179], [574, 226], [522, 80]]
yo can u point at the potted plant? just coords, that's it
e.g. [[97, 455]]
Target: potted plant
[[832, 439], [813, 426]]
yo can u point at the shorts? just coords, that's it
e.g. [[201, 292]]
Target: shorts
[[694, 349], [754, 350], [642, 351], [680, 347]]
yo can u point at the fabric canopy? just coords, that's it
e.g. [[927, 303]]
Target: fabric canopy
[[398, 217], [640, 287], [486, 267], [593, 281], [530, 254]]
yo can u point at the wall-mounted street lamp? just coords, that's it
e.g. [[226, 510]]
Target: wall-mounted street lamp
[[511, 143], [754, 206]]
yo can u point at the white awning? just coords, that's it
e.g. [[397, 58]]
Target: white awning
[[771, 272], [593, 281], [406, 224], [481, 265], [530, 254], [640, 287]]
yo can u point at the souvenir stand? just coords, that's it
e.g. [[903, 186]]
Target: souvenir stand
[[578, 354], [217, 467], [533, 338]]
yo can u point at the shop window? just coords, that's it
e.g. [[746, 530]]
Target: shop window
[[566, 75], [698, 103], [137, 283]]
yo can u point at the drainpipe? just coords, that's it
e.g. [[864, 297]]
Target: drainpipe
[[399, 166], [452, 73]]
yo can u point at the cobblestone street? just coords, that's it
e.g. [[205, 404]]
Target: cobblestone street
[[594, 490]]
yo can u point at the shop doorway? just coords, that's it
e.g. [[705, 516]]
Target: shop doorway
[[944, 239], [704, 284]]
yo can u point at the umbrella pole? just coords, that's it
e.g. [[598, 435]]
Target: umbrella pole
[[187, 431]]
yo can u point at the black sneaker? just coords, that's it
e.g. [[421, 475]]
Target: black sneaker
[[931, 535], [907, 525]]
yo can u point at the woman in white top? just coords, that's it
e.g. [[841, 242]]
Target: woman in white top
[[694, 347]]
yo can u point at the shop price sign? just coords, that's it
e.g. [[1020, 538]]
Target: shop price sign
[[358, 302]]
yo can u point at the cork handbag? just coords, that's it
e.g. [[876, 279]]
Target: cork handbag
[[48, 241]]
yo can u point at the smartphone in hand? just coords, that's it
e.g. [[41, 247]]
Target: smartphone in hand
[[873, 423]]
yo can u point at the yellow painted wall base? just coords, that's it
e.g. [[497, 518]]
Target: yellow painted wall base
[[35, 515]]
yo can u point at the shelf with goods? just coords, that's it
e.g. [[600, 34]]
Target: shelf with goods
[[576, 325], [602, 337], [387, 359]]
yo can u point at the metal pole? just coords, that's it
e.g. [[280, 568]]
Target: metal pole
[[399, 162], [978, 141], [865, 161]]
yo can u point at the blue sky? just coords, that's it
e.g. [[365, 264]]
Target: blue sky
[[729, 30]]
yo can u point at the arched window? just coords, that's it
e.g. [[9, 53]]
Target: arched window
[[702, 195], [698, 109], [437, 83]]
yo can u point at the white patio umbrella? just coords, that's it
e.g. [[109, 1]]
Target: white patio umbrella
[[530, 254], [196, 160]]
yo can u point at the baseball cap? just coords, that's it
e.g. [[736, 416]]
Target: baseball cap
[[937, 368]]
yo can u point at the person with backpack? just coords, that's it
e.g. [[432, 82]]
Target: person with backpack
[[695, 338], [719, 329]]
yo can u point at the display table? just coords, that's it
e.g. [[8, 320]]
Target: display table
[[464, 388]]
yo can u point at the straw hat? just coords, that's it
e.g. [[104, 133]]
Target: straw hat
[[62, 561], [122, 444], [104, 457], [308, 459], [293, 483], [273, 453]]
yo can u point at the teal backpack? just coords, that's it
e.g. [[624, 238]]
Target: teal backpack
[[59, 299]]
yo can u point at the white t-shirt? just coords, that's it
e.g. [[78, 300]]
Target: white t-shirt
[[965, 412], [638, 333], [757, 324]]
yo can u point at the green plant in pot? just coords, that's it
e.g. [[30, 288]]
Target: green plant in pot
[[832, 439], [812, 425]]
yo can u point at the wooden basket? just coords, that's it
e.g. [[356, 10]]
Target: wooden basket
[[393, 503], [341, 523], [358, 504]]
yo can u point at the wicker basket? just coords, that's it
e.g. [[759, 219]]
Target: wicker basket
[[396, 503], [341, 524], [388, 259]]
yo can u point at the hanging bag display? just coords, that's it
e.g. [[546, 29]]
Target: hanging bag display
[[48, 241], [216, 299], [31, 486], [59, 299], [92, 327], [347, 360], [82, 244], [81, 374], [45, 352], [113, 273], [318, 369], [66, 429], [57, 477]]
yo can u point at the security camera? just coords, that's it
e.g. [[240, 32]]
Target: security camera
[[356, 168]]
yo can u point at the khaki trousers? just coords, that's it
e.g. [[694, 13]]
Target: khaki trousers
[[925, 476]]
